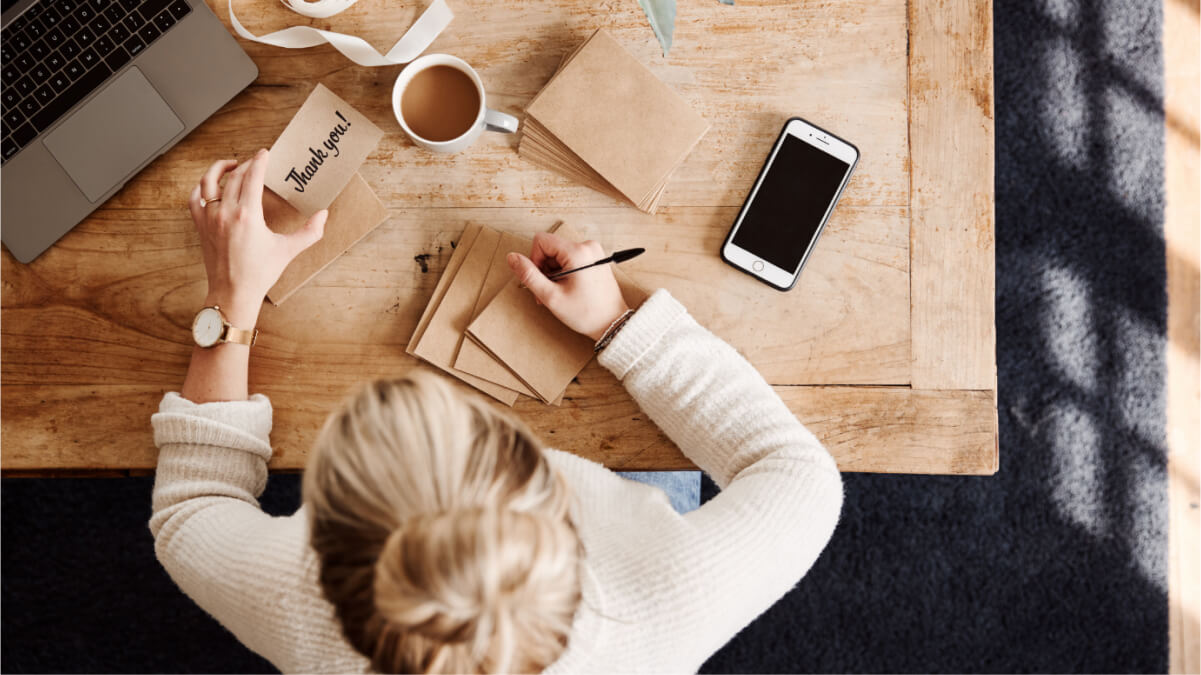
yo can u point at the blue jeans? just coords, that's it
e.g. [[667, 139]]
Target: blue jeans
[[683, 488]]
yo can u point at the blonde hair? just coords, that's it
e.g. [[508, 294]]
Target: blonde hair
[[442, 532]]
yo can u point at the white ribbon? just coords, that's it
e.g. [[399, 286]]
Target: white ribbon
[[318, 9], [417, 39]]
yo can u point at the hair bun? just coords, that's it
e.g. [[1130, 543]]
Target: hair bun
[[444, 535], [476, 580]]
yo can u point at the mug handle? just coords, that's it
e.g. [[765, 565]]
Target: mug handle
[[499, 121]]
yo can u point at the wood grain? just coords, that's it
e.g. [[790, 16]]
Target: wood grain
[[952, 220], [878, 429], [745, 69], [1182, 234], [96, 329], [134, 278]]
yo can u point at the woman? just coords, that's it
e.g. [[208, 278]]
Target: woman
[[438, 535]]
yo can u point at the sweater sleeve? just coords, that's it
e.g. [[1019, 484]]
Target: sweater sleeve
[[249, 570], [723, 564]]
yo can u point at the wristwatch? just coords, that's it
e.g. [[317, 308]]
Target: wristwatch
[[210, 328]]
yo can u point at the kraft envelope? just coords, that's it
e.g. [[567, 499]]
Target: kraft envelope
[[472, 358], [477, 360], [633, 132], [452, 268], [354, 213], [319, 151], [545, 354], [443, 334]]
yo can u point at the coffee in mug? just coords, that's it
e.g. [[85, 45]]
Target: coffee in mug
[[439, 101]]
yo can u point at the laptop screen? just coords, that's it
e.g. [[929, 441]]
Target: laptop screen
[[9, 4]]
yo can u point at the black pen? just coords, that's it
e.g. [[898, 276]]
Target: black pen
[[618, 257]]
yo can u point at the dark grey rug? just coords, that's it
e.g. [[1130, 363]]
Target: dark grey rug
[[1056, 564]]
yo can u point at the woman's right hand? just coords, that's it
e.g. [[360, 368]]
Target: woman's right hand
[[589, 301]]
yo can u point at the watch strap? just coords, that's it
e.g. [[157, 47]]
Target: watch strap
[[241, 337]]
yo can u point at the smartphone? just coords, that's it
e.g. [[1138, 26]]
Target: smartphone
[[792, 199]]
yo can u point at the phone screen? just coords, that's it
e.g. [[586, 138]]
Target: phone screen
[[786, 211]]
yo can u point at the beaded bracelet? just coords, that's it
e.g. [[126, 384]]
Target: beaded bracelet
[[611, 331]]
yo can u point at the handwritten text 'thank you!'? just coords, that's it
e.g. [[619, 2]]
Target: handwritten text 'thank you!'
[[303, 176]]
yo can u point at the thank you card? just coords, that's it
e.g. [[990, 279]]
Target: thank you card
[[321, 148]]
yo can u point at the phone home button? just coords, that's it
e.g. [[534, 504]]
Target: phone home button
[[757, 265]]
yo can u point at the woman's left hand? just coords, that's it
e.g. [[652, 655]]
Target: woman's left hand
[[242, 256]]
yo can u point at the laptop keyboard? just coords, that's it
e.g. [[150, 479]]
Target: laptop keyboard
[[59, 51]]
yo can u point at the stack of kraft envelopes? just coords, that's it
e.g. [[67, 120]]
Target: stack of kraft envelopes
[[482, 327], [607, 122]]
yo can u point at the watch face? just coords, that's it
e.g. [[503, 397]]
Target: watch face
[[207, 327]]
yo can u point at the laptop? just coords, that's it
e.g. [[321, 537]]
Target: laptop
[[93, 91]]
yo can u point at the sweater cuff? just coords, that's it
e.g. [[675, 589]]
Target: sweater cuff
[[239, 425], [643, 330]]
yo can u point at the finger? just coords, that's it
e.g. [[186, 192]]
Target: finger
[[233, 188], [308, 235], [551, 250], [209, 183], [252, 183], [194, 206], [591, 247], [532, 278]]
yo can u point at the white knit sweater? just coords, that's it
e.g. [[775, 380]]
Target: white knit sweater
[[661, 591]]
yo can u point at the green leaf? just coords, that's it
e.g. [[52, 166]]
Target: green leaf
[[662, 16]]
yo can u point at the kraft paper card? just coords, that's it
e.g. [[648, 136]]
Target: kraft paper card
[[536, 346], [472, 358], [542, 352], [464, 244], [452, 268], [624, 138], [442, 336], [355, 212], [319, 151], [478, 286]]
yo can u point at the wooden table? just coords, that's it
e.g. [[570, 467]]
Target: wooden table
[[885, 349]]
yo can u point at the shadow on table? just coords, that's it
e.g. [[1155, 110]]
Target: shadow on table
[[1057, 563]]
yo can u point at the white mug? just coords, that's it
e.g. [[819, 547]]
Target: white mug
[[485, 119]]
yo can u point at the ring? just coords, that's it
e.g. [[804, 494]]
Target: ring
[[205, 202]]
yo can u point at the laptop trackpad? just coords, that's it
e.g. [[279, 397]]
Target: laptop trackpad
[[114, 133]]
